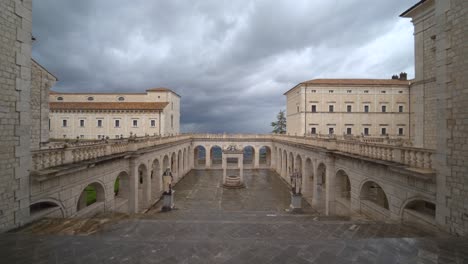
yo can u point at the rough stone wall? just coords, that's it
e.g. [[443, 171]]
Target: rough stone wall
[[42, 81], [15, 122], [452, 142]]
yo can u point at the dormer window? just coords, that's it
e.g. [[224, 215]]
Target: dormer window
[[121, 98], [60, 98], [90, 98]]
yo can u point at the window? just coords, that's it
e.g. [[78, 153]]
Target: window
[[117, 123], [366, 131], [298, 109], [64, 136], [383, 131], [99, 123], [313, 131], [153, 123], [330, 108], [400, 108], [348, 108], [383, 91], [384, 108], [331, 130], [60, 98], [64, 123], [121, 98], [82, 123], [135, 123], [172, 121], [81, 136], [330, 91], [117, 136], [314, 109], [349, 91], [172, 105], [400, 91], [366, 91], [90, 98], [400, 131], [366, 108], [348, 131], [313, 91]]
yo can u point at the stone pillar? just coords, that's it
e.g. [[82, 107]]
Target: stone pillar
[[241, 167], [133, 195], [147, 190], [208, 158], [305, 178], [330, 186], [224, 164], [256, 158]]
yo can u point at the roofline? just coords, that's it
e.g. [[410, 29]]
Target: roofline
[[412, 8], [109, 93], [40, 65], [163, 90]]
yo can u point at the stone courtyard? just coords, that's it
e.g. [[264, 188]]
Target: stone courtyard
[[215, 225]]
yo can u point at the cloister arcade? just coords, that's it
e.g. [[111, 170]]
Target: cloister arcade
[[332, 184]]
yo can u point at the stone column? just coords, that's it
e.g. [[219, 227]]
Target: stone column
[[224, 164], [133, 195], [241, 167], [147, 190], [256, 158], [330, 186], [305, 178], [208, 158]]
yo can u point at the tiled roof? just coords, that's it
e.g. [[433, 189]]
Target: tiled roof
[[353, 82], [107, 106]]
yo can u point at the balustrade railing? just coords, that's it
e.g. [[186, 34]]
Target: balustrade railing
[[391, 150]]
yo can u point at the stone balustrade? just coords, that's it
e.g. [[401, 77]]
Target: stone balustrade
[[379, 149]]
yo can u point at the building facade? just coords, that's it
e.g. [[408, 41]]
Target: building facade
[[101, 116], [368, 107]]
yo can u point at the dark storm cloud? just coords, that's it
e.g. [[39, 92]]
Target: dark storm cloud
[[230, 60]]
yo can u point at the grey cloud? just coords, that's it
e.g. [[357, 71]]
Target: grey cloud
[[230, 60]]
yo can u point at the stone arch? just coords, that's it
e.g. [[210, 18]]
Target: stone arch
[[298, 163], [373, 200], [199, 156], [121, 192], [279, 163], [284, 172], [321, 187], [93, 196], [342, 193], [49, 207], [143, 194], [174, 163], [249, 155], [184, 163], [264, 156], [308, 179], [156, 178], [216, 155], [419, 211]]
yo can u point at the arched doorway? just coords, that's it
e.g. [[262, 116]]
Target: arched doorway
[[284, 171], [199, 157], [374, 202], [156, 178], [46, 208], [420, 212], [174, 164], [184, 163], [91, 200], [264, 156], [308, 178], [249, 155], [165, 163], [290, 165], [179, 164], [343, 193], [319, 196], [121, 192], [143, 195], [216, 156]]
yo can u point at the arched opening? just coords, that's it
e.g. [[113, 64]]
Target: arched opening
[[290, 164], [279, 161], [343, 193], [374, 201], [165, 163], [174, 164], [265, 156], [216, 156], [420, 212], [298, 164], [249, 155], [284, 171], [184, 163], [308, 178], [91, 200], [143, 194], [121, 192], [321, 178], [156, 178], [179, 163], [199, 157], [49, 209]]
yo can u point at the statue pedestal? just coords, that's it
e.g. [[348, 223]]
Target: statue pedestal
[[296, 203], [168, 202]]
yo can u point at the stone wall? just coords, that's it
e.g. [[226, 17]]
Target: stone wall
[[452, 141], [41, 83], [15, 124]]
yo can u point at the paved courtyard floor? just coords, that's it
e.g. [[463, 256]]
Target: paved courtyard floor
[[215, 225]]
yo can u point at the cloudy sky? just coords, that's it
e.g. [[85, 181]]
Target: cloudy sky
[[231, 61]]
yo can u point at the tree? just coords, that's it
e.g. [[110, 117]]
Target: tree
[[279, 127]]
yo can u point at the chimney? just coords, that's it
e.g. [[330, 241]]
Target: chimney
[[395, 77], [403, 76]]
